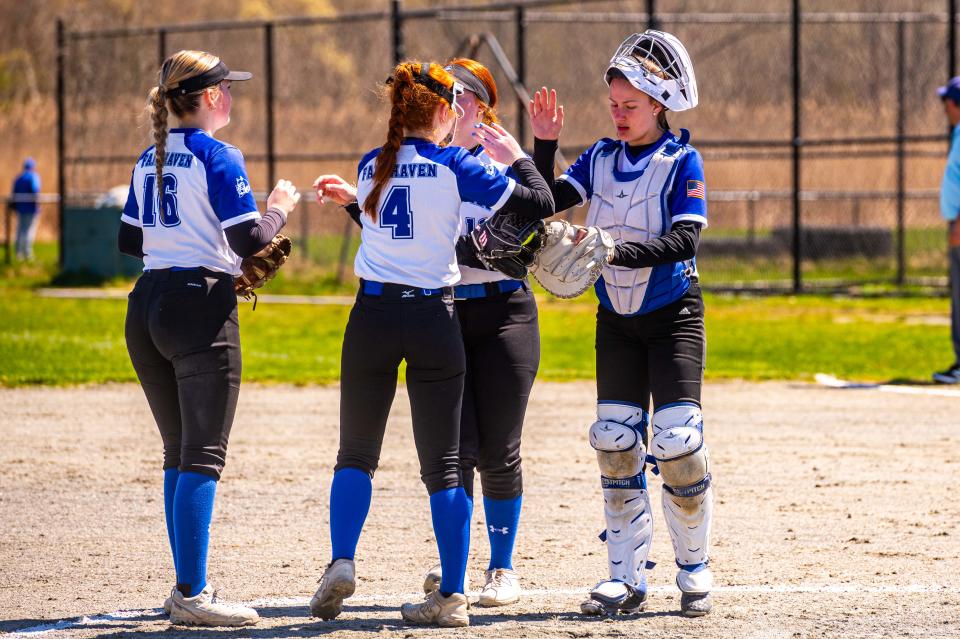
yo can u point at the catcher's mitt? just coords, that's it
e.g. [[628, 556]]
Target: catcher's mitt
[[260, 268], [572, 258], [507, 243]]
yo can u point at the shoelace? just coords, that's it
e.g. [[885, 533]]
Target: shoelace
[[499, 577]]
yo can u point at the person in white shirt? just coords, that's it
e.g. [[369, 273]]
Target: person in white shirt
[[501, 334], [190, 215], [411, 192]]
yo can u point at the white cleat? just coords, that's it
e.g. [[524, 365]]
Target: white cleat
[[614, 597], [205, 610], [168, 602], [338, 582], [502, 587], [446, 612], [431, 580]]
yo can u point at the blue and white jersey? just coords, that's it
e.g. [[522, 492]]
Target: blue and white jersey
[[418, 217], [637, 199], [474, 214], [205, 190]]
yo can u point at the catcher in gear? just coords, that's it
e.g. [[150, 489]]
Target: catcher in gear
[[190, 215], [646, 189]]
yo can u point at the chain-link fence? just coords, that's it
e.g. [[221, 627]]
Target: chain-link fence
[[822, 135]]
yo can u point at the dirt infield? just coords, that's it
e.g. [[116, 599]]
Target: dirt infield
[[835, 516]]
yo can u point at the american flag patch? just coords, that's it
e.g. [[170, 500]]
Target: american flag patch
[[696, 188]]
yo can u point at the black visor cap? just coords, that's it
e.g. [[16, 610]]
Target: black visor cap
[[209, 78]]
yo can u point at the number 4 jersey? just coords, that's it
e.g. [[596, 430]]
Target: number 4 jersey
[[205, 190], [418, 216]]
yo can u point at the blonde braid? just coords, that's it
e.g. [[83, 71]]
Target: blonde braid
[[158, 115], [178, 67]]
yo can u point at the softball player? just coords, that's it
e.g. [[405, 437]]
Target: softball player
[[501, 335], [646, 188], [190, 215], [411, 192]]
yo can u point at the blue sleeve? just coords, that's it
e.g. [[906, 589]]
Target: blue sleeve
[[482, 184], [229, 187], [366, 160], [579, 175], [131, 210], [688, 200]]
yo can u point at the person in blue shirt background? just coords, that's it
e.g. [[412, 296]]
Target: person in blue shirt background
[[25, 201], [949, 207]]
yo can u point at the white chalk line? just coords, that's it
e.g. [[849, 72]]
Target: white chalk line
[[761, 589], [831, 381]]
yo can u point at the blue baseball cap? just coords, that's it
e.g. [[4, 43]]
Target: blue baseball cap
[[951, 90], [29, 164]]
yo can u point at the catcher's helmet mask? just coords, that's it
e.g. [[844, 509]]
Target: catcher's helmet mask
[[677, 91]]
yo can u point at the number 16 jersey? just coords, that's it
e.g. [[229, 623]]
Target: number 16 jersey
[[418, 216], [205, 190]]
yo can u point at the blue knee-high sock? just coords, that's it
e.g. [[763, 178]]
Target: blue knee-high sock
[[503, 517], [350, 496], [192, 512], [451, 510], [170, 476]]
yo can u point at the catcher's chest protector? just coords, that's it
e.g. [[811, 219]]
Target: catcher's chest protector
[[631, 206]]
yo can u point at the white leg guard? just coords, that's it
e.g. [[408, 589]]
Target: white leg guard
[[687, 497], [617, 436]]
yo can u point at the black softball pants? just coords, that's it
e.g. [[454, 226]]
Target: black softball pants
[[501, 336], [381, 332], [183, 337], [661, 353]]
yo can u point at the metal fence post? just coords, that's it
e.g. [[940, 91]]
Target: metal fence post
[[268, 72], [901, 160], [396, 31], [344, 249], [303, 210], [161, 47], [61, 136], [652, 14], [521, 71], [797, 249], [7, 215], [951, 38]]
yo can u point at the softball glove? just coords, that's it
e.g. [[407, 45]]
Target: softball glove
[[260, 268], [508, 243], [572, 258]]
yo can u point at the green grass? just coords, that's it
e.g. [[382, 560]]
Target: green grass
[[313, 268], [54, 341]]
